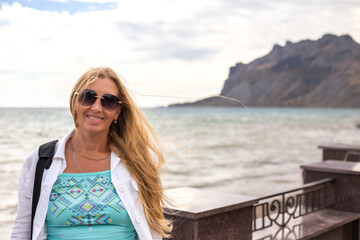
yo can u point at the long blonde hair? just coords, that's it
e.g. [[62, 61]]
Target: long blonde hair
[[135, 142]]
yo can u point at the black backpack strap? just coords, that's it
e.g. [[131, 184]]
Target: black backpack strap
[[46, 154]]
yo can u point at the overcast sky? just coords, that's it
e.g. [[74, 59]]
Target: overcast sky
[[178, 48]]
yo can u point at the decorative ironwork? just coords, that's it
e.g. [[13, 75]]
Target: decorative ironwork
[[284, 233], [280, 208]]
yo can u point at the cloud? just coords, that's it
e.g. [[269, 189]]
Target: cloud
[[137, 31], [184, 53], [178, 47], [166, 41], [165, 51], [4, 23]]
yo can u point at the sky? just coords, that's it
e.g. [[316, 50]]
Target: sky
[[166, 51]]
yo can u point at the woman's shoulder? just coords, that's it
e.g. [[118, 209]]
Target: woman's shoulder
[[29, 164], [31, 158]]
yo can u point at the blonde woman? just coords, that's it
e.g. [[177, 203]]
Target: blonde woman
[[103, 182]]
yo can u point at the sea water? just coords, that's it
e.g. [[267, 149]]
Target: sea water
[[248, 151]]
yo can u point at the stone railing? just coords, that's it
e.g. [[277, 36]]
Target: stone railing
[[326, 207]]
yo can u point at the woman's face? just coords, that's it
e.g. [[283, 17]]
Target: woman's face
[[94, 119]]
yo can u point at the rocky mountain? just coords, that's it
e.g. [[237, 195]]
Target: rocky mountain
[[321, 73]]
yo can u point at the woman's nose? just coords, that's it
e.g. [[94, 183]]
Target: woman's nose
[[96, 107]]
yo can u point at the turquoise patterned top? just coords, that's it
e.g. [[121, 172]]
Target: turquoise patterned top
[[86, 206]]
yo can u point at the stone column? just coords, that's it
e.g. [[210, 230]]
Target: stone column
[[346, 185], [208, 215], [342, 152]]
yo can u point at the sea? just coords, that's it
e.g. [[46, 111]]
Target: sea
[[246, 151]]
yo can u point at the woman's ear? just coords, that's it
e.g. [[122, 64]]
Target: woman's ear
[[117, 113]]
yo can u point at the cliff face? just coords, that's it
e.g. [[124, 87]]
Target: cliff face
[[322, 73]]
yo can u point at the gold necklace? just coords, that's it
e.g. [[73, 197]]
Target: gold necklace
[[93, 159], [76, 162]]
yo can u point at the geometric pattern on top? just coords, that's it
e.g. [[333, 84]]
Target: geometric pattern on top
[[85, 199]]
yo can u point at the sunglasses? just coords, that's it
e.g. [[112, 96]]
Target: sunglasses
[[88, 97]]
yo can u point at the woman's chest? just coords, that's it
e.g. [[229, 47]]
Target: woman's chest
[[86, 199]]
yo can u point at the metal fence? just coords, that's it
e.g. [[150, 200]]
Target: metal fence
[[278, 209]]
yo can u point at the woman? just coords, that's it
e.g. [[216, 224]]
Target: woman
[[103, 182]]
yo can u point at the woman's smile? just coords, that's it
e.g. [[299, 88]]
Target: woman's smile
[[94, 117]]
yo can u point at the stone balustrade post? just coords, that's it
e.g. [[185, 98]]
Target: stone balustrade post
[[341, 152], [208, 215]]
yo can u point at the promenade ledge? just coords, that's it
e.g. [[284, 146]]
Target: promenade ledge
[[325, 207]]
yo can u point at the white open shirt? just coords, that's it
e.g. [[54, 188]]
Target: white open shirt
[[125, 186]]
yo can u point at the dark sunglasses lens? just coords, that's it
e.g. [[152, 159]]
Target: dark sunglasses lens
[[87, 97], [110, 102]]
